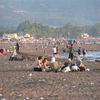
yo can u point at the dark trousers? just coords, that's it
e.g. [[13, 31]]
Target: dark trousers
[[71, 56], [38, 69]]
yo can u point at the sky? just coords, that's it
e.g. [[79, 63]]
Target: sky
[[50, 12]]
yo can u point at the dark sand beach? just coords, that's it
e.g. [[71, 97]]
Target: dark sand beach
[[18, 81]]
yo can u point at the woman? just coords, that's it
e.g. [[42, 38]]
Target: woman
[[66, 67], [45, 67], [38, 64], [14, 55]]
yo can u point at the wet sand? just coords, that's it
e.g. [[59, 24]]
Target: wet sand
[[18, 81]]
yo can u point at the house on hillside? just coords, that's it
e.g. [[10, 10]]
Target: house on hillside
[[84, 35], [10, 36]]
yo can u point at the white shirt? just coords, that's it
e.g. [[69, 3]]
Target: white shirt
[[74, 68], [53, 59], [54, 50], [66, 69]]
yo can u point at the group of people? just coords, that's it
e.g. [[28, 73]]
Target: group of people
[[43, 65], [76, 65], [81, 51]]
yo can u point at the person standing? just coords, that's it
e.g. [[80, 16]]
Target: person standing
[[79, 51], [17, 47], [54, 50], [83, 51], [71, 51]]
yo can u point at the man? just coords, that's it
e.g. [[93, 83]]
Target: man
[[79, 51], [54, 50], [71, 50], [17, 47], [54, 64], [38, 64]]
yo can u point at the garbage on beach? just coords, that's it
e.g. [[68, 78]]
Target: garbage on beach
[[27, 98], [87, 69], [30, 74], [1, 95], [41, 98]]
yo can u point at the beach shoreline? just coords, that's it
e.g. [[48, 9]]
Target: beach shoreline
[[18, 81]]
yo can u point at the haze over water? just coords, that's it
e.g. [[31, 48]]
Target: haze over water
[[51, 12]]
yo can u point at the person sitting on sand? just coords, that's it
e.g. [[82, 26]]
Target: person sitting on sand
[[66, 67], [54, 65], [74, 67], [79, 51], [80, 64], [70, 62], [45, 67], [14, 55], [38, 64], [2, 51]]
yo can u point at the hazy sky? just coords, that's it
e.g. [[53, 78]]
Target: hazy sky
[[51, 12]]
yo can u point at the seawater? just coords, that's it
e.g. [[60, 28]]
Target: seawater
[[93, 55], [90, 56]]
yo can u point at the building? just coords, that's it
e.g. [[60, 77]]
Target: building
[[84, 35], [10, 36]]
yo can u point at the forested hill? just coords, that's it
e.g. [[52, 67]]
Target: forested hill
[[68, 30], [42, 30]]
